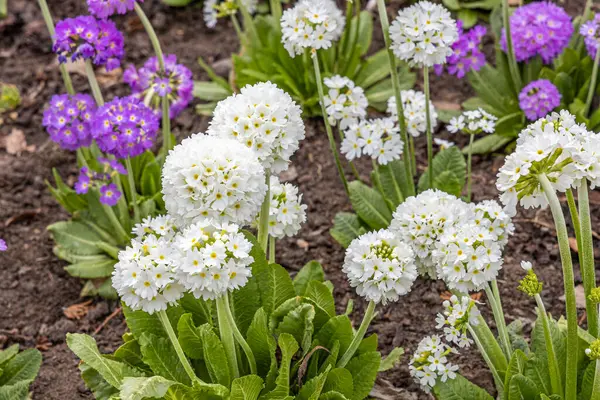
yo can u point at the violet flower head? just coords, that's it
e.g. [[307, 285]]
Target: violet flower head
[[3, 246], [84, 181], [125, 127], [150, 84], [538, 98], [106, 8], [591, 35], [467, 54], [68, 120], [109, 194], [111, 166], [89, 38], [539, 28]]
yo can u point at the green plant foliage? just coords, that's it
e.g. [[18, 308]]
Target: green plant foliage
[[87, 241], [295, 336], [469, 11], [267, 60], [17, 372], [10, 98]]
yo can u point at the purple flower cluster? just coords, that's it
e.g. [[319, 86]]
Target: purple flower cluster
[[467, 52], [3, 246], [151, 84], [538, 98], [539, 28], [125, 127], [89, 38], [109, 193], [591, 35], [68, 120], [106, 8]]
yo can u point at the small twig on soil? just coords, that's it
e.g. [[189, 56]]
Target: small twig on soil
[[107, 320], [27, 214]]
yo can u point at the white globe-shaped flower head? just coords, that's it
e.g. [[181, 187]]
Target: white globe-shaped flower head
[[422, 219], [287, 213], [264, 118], [144, 276], [429, 363], [311, 24], [378, 138], [380, 266], [344, 102], [413, 105], [494, 218], [213, 259], [423, 34], [207, 177]]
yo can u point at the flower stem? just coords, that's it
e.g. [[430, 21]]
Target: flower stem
[[263, 218], [569, 284], [553, 369], [271, 250], [89, 71], [249, 25], [226, 330], [132, 191], [512, 59], [358, 336], [428, 126], [276, 10], [500, 322], [238, 336], [122, 206], [469, 168], [332, 143], [592, 88], [110, 213], [413, 156], [588, 271], [50, 25], [385, 27], [166, 126], [488, 361], [164, 319], [596, 386]]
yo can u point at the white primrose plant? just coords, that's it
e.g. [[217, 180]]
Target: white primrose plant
[[208, 313], [553, 154]]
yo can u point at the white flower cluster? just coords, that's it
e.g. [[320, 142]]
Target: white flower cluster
[[311, 24], [215, 9], [345, 102], [160, 226], [378, 138], [264, 118], [413, 103], [555, 146], [144, 276], [492, 216], [473, 122], [212, 259], [380, 266], [430, 363], [458, 315], [286, 213], [444, 144], [421, 220], [423, 34], [216, 178]]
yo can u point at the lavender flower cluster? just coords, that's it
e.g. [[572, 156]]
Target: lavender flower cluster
[[539, 98], [68, 120], [106, 8], [539, 28], [88, 38], [102, 181], [125, 127], [151, 84], [467, 54], [591, 35]]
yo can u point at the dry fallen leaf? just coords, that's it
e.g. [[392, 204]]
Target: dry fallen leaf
[[15, 143], [77, 311], [446, 105], [303, 244], [573, 244], [105, 78]]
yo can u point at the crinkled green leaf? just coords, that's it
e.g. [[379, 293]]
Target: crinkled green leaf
[[338, 328], [369, 205], [364, 372], [141, 388], [190, 337], [262, 343], [22, 367], [215, 356], [392, 360], [449, 172], [321, 295], [159, 354], [75, 237], [246, 388], [92, 270], [312, 271], [346, 227], [340, 380], [459, 389]]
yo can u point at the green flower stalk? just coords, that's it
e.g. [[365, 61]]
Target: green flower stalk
[[358, 336], [500, 321], [592, 89], [428, 125], [586, 251], [594, 350], [263, 218], [512, 59]]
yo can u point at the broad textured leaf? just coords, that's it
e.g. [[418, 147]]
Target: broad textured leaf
[[112, 371], [516, 337], [275, 285], [449, 162], [393, 182], [8, 353], [201, 310], [74, 258], [17, 391], [340, 380], [312, 271], [246, 388], [369, 205], [150, 181], [131, 353], [321, 295], [101, 389], [537, 372], [209, 91], [346, 227], [245, 302], [332, 357], [368, 344], [22, 367], [489, 144], [159, 354], [312, 389], [140, 322], [338, 328], [141, 388], [392, 359], [190, 337], [299, 323], [92, 270], [559, 341], [289, 347], [75, 237], [460, 389], [262, 343], [364, 372], [374, 69], [333, 396], [521, 387], [215, 356], [587, 382], [516, 366]]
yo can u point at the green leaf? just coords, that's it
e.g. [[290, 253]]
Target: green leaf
[[215, 356], [140, 322], [321, 295], [538, 345], [275, 285], [246, 300], [131, 353], [313, 388], [489, 144], [299, 323], [22, 367], [369, 205], [521, 387], [460, 389], [159, 354], [141, 388], [201, 310], [96, 383], [393, 182], [392, 360], [150, 181], [75, 237], [333, 396], [210, 91], [364, 372], [112, 371], [246, 388], [340, 380], [468, 17], [516, 366], [312, 271], [449, 172], [262, 343], [190, 337], [7, 354], [346, 227], [92, 270], [338, 328], [289, 347], [17, 391], [368, 344], [587, 382], [374, 69]]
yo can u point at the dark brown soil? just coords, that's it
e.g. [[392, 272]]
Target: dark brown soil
[[35, 290]]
